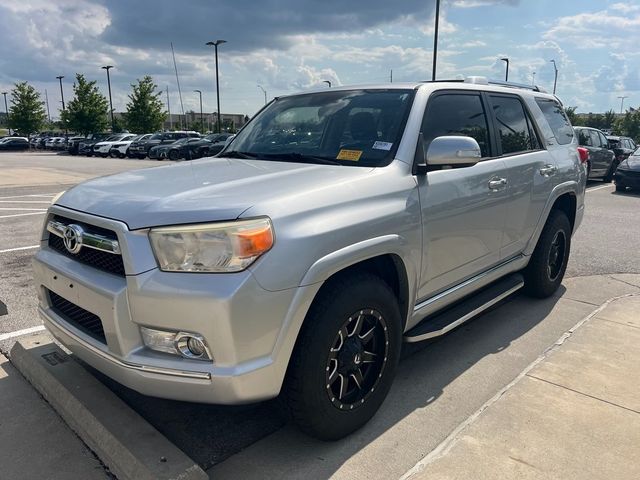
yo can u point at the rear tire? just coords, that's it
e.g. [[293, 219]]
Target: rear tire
[[547, 265], [608, 178], [173, 155], [345, 358]]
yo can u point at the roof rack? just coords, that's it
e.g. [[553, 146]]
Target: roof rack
[[484, 81], [535, 88]]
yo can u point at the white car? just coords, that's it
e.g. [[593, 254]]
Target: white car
[[121, 149], [50, 143], [102, 148]]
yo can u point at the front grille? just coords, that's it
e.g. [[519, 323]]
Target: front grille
[[77, 316], [105, 261]]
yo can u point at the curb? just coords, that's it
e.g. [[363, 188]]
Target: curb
[[129, 446]]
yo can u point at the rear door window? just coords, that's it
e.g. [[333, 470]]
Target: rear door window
[[584, 138], [512, 125], [603, 140], [595, 139], [457, 114], [557, 120]]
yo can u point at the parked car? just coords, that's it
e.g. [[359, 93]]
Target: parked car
[[59, 143], [622, 147], [601, 163], [218, 143], [628, 173], [301, 266], [176, 150], [121, 149], [14, 143], [141, 149], [85, 147], [102, 148], [73, 144], [50, 142]]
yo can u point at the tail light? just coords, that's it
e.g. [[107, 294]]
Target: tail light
[[583, 153]]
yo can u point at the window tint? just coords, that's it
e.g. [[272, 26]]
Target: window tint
[[456, 114], [603, 140], [583, 137], [512, 125], [595, 138], [557, 120]]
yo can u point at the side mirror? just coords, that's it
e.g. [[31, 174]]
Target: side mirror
[[453, 151]]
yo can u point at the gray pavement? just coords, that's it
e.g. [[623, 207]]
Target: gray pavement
[[35, 443], [574, 415]]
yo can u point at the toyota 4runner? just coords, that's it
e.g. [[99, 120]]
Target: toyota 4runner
[[336, 225]]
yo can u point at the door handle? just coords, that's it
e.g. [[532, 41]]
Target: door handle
[[548, 170], [497, 183]]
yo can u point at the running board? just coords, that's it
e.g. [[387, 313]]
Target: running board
[[441, 323]]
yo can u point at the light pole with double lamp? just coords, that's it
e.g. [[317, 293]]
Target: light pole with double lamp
[[107, 68], [328, 82], [215, 45], [199, 92], [6, 109], [506, 73]]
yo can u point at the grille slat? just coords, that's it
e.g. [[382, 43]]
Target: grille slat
[[107, 262], [77, 316]]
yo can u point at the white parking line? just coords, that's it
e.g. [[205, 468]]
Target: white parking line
[[17, 249], [26, 209], [19, 333], [30, 195], [25, 201], [598, 188], [23, 214]]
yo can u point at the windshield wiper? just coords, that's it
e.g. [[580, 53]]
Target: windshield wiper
[[300, 157], [238, 154]]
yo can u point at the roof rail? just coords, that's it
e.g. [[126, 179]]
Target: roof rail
[[524, 86]]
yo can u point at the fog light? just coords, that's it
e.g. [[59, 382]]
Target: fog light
[[185, 344]]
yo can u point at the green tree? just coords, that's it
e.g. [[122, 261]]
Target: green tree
[[87, 111], [609, 119], [629, 124], [145, 111], [27, 113], [571, 115]]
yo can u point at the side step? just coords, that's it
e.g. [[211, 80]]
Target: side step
[[441, 323]]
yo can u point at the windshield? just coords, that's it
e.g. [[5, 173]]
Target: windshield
[[156, 136], [354, 127]]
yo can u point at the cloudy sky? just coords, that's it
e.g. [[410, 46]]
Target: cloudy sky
[[293, 45]]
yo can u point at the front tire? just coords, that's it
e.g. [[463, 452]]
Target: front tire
[[173, 155], [548, 263], [620, 188], [346, 357]]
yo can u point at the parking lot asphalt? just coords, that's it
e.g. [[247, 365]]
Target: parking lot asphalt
[[467, 365]]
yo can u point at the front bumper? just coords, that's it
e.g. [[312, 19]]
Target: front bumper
[[250, 331], [627, 178]]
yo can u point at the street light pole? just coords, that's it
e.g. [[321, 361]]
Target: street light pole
[[107, 68], [435, 42], [533, 79], [622, 102], [62, 98], [555, 78], [46, 97], [506, 74], [6, 109], [328, 82], [265, 93], [215, 45], [199, 92], [169, 110]]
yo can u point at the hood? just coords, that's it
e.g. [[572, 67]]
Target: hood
[[198, 191], [631, 163]]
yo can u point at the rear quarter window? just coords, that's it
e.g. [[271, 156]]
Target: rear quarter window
[[557, 120]]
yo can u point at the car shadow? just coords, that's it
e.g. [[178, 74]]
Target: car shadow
[[210, 434], [627, 193]]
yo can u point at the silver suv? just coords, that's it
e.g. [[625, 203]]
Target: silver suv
[[336, 225]]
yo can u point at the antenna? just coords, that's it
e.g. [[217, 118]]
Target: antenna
[[179, 91]]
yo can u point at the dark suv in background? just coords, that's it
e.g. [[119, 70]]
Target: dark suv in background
[[622, 147], [85, 146], [601, 162], [141, 148]]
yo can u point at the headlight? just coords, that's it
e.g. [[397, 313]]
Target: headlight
[[214, 247]]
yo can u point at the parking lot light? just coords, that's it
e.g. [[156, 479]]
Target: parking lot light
[[555, 78], [215, 45], [506, 73], [107, 68], [263, 91], [60, 77], [6, 109], [201, 115]]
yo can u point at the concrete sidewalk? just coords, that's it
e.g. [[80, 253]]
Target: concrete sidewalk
[[574, 414], [34, 441]]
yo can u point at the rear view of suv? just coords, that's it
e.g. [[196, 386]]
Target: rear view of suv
[[601, 162], [140, 148], [336, 225]]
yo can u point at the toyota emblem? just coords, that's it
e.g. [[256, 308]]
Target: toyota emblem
[[72, 238]]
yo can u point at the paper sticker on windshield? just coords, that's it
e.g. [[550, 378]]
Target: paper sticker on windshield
[[352, 155], [383, 146]]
